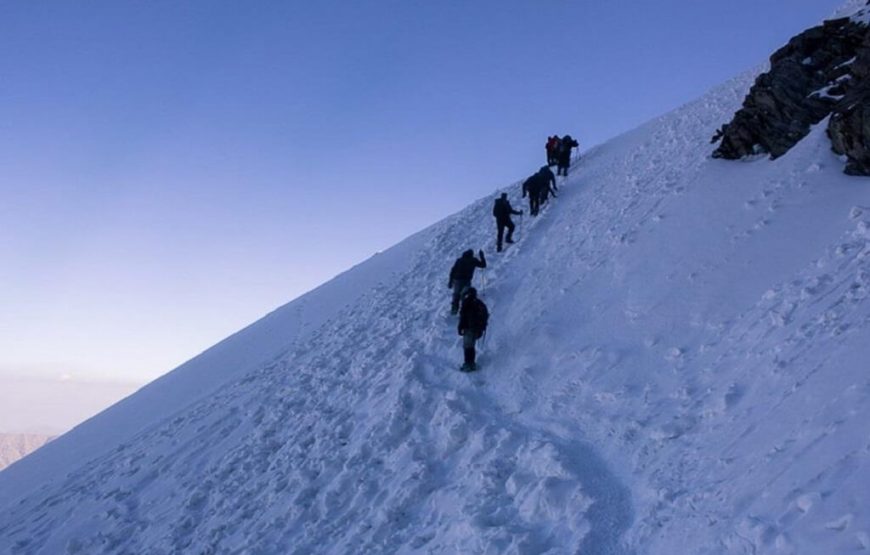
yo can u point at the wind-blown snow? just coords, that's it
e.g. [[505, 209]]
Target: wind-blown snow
[[852, 8], [861, 16], [677, 363]]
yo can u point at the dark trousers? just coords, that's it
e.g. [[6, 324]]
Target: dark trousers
[[502, 224], [534, 203], [469, 339], [564, 164]]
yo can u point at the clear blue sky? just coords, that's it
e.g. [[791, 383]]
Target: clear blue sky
[[171, 171]]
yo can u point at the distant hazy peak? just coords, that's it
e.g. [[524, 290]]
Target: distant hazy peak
[[17, 446]]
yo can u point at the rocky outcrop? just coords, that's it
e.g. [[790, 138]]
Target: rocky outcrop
[[824, 71], [849, 127]]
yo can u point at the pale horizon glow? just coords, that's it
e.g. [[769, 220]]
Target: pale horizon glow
[[54, 406]]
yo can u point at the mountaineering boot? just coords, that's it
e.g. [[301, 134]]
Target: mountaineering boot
[[469, 365]]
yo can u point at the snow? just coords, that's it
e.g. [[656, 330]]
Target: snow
[[848, 62], [677, 363], [854, 9], [825, 92], [861, 16]]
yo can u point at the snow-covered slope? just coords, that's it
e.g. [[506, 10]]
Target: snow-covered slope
[[227, 361], [677, 363]]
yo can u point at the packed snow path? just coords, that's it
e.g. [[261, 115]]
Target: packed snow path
[[676, 364]]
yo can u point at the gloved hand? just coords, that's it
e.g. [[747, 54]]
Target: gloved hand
[[480, 254]]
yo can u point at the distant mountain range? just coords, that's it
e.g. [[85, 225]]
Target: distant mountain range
[[17, 446]]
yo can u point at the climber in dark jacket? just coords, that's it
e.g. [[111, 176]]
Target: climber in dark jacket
[[461, 275], [473, 319], [565, 147], [502, 210], [548, 184], [532, 187]]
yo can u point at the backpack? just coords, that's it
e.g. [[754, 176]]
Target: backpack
[[478, 315], [529, 185], [482, 314]]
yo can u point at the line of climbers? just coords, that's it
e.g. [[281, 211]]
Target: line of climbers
[[559, 152], [473, 312]]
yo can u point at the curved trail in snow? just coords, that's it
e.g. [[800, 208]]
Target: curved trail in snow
[[604, 502]]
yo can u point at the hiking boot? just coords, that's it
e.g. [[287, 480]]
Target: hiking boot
[[470, 355]]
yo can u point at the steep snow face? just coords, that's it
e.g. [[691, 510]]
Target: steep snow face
[[677, 363], [229, 360]]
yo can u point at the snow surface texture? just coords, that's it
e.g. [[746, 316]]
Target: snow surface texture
[[854, 9], [677, 363], [849, 8]]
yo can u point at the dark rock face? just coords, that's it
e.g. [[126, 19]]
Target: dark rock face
[[849, 128], [823, 71]]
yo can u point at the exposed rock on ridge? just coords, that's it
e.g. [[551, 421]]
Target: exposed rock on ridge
[[849, 128], [824, 71]]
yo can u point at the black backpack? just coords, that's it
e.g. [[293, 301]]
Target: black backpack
[[529, 184], [478, 315]]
